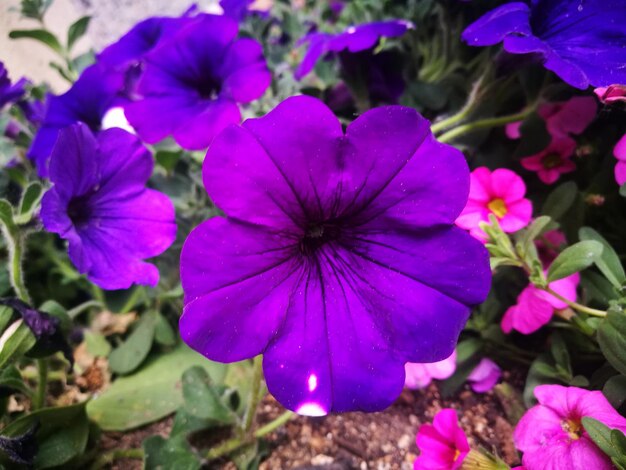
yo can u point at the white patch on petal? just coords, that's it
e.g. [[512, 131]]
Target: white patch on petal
[[115, 117], [311, 409]]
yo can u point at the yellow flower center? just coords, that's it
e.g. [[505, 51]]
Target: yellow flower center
[[457, 452], [573, 428], [498, 207]]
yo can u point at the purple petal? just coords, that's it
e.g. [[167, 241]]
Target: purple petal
[[492, 28], [224, 306]]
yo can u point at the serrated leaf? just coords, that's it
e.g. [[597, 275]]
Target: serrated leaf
[[201, 399], [42, 35], [560, 200], [131, 353], [151, 393], [574, 259], [30, 199], [612, 339], [77, 30], [608, 263]]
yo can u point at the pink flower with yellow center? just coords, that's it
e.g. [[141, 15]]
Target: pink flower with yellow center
[[553, 161], [443, 445], [500, 193], [551, 434]]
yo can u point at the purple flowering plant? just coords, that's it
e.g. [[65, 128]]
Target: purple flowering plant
[[261, 214]]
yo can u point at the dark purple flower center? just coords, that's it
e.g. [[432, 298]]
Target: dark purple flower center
[[317, 235], [207, 87], [551, 160], [79, 210]]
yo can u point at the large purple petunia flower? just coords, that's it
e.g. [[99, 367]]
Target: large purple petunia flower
[[583, 42], [99, 203], [337, 259], [10, 92], [90, 97], [191, 84], [353, 39]]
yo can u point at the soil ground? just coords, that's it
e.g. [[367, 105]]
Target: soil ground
[[381, 441]]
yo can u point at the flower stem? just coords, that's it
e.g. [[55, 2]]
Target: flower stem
[[255, 395], [484, 124], [111, 456], [73, 313], [238, 442], [575, 305], [42, 382]]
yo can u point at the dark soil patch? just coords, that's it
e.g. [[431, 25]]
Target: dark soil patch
[[382, 441]]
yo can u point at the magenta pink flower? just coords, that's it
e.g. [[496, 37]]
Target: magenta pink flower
[[484, 376], [553, 161], [620, 167], [420, 375], [500, 193], [442, 445], [562, 118], [549, 245], [551, 434], [535, 307], [611, 94]]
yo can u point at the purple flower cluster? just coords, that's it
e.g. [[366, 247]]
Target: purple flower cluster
[[10, 92], [337, 259]]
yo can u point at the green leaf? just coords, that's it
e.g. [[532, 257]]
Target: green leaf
[[6, 215], [574, 258], [618, 439], [541, 372], [42, 35], [77, 30], [16, 340], [164, 333], [201, 399], [608, 263], [12, 379], [28, 204], [161, 453], [560, 200], [601, 435], [615, 390], [151, 393], [612, 339], [97, 345], [62, 434], [622, 190], [132, 352], [560, 353]]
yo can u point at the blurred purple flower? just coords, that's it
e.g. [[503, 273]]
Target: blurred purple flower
[[34, 110], [190, 86], [353, 39], [583, 42], [484, 376], [141, 39], [10, 92], [337, 259], [551, 434], [239, 9], [420, 375], [100, 204], [87, 101]]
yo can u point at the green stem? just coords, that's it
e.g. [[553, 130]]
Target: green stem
[[53, 375], [464, 111], [42, 382], [236, 443], [483, 124], [111, 456], [73, 313], [16, 248], [255, 395], [575, 305]]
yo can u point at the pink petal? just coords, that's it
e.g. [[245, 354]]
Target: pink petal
[[507, 185]]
